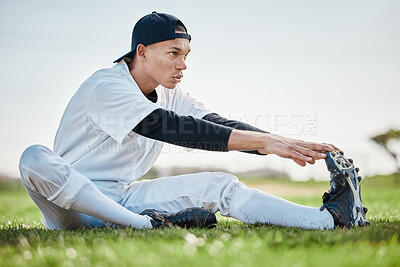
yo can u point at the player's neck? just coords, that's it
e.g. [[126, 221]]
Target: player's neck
[[145, 82]]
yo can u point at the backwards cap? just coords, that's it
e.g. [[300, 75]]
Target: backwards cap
[[154, 28]]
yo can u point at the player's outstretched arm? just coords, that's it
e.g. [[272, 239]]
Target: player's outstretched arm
[[301, 152], [169, 127], [215, 118]]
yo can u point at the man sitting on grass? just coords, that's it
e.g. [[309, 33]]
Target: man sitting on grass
[[113, 130]]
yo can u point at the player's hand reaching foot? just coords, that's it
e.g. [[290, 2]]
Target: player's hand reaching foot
[[301, 152]]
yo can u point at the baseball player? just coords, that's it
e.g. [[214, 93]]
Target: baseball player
[[113, 130]]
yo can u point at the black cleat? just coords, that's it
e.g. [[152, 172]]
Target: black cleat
[[187, 218], [343, 200]]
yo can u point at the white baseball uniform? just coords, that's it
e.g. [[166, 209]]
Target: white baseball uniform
[[91, 176]]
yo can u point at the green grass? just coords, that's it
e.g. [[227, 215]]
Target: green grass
[[23, 240]]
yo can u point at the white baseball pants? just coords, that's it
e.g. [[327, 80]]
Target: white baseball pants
[[69, 200]]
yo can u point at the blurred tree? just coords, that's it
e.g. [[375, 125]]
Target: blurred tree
[[391, 142]]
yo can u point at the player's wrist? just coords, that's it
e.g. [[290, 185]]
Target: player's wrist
[[268, 141], [245, 140]]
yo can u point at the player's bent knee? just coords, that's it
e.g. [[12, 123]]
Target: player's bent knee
[[31, 155], [42, 170]]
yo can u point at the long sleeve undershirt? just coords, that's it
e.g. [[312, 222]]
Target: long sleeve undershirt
[[214, 117], [167, 126], [209, 133]]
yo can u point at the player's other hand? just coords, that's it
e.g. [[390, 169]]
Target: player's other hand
[[301, 152]]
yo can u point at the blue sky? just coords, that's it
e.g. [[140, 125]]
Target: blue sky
[[318, 70]]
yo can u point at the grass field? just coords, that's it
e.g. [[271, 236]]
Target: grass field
[[23, 240]]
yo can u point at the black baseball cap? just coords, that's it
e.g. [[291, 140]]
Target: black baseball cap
[[154, 28]]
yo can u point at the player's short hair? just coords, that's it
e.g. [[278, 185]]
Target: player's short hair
[[179, 27]]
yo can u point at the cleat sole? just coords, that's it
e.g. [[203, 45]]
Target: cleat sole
[[337, 163]]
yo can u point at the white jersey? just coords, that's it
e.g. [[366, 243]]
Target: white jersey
[[95, 134]]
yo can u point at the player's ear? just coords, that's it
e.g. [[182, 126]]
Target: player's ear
[[141, 52]]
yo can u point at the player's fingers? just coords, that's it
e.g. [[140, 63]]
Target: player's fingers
[[317, 146], [320, 147], [315, 155], [293, 154], [336, 148]]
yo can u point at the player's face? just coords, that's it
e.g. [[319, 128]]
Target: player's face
[[166, 61]]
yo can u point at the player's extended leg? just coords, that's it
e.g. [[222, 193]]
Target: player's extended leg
[[222, 192], [261, 207], [64, 196]]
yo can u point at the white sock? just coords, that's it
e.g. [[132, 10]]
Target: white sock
[[253, 206]]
